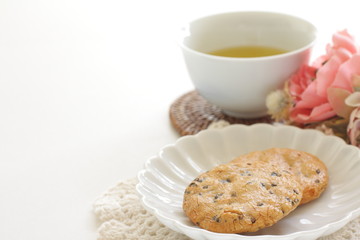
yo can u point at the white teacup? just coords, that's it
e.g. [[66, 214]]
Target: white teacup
[[239, 85]]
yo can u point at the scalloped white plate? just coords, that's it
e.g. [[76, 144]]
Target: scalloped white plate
[[165, 177]]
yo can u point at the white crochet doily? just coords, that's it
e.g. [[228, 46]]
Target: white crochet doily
[[123, 218]]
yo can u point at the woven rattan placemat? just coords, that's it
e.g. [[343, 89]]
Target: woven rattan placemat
[[191, 113]]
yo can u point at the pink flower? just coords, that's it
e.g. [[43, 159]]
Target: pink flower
[[335, 70]]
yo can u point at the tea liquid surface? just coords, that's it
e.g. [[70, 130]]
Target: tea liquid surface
[[247, 51]]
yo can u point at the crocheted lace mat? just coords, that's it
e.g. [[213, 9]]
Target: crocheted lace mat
[[123, 217]]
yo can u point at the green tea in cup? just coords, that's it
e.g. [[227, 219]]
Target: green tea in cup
[[247, 51]]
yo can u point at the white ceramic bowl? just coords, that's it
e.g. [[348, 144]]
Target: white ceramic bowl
[[165, 177], [239, 85]]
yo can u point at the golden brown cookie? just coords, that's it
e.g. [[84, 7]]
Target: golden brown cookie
[[310, 171], [233, 199]]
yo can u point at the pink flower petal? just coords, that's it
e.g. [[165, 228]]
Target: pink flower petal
[[309, 98], [310, 102], [322, 112], [326, 75], [320, 61], [305, 115], [300, 115], [345, 40], [300, 80], [346, 72]]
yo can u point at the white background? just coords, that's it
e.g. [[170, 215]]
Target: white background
[[85, 88]]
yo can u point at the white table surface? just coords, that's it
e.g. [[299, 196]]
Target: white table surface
[[85, 88]]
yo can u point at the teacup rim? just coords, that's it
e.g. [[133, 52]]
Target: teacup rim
[[185, 28]]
